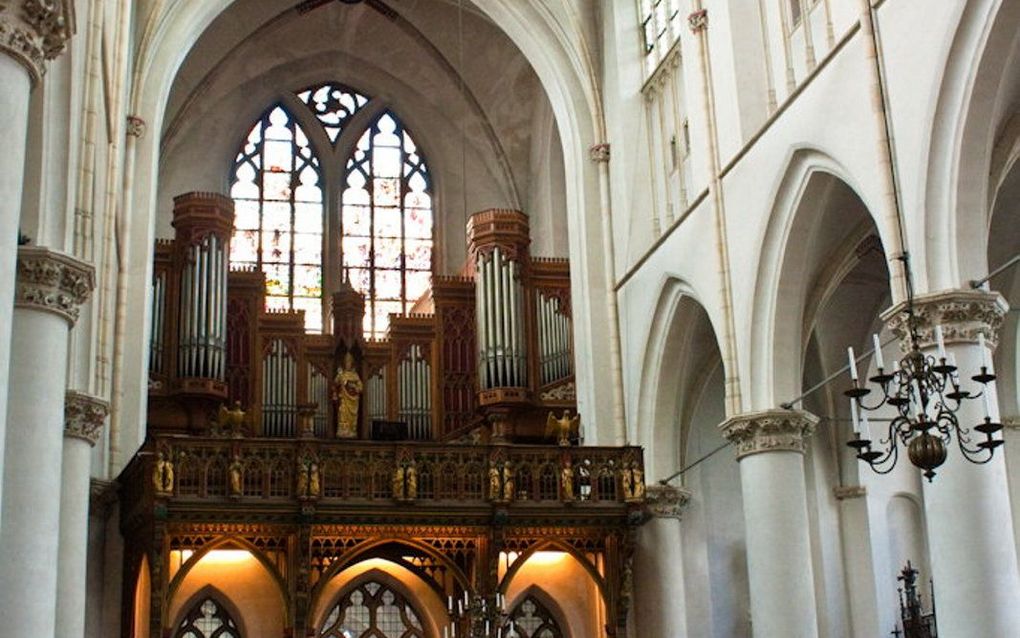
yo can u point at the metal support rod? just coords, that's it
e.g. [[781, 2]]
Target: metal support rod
[[977, 283], [824, 382]]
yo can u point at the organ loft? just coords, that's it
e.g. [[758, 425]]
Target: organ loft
[[441, 456]]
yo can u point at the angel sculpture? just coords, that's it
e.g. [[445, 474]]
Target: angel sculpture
[[231, 422], [565, 428]]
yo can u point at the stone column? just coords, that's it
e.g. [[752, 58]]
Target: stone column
[[1011, 434], [31, 31], [770, 449], [967, 509], [83, 422], [859, 560], [50, 289], [660, 609]]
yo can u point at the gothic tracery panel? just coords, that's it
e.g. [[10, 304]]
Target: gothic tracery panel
[[531, 619], [372, 610], [207, 619]]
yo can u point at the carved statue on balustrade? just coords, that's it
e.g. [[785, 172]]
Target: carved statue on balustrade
[[405, 482], [565, 428], [632, 479], [508, 481], [347, 391], [163, 474], [501, 480], [567, 480], [309, 485], [235, 472]]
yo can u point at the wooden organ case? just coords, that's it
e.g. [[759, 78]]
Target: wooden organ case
[[445, 464]]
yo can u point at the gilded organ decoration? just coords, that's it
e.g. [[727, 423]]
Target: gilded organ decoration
[[564, 428], [232, 422], [347, 390], [309, 480]]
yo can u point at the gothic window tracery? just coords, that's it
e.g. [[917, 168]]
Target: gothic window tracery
[[531, 619], [207, 619], [372, 610], [660, 22], [386, 222], [383, 243], [278, 214]]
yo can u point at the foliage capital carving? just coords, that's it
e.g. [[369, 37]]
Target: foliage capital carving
[[34, 31], [963, 314], [52, 282], [84, 415], [599, 152], [666, 501], [769, 431]]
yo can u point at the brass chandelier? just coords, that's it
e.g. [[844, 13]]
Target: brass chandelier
[[925, 393]]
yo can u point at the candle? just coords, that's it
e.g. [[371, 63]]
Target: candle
[[853, 415], [988, 402], [446, 632], [449, 602], [853, 363], [941, 342], [985, 358], [865, 426], [465, 598], [878, 352]]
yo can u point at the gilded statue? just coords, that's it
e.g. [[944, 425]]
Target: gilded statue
[[564, 428], [314, 487], [508, 481], [398, 483], [347, 390], [567, 481], [495, 484], [231, 422], [405, 482], [632, 478], [412, 483], [234, 471], [163, 474]]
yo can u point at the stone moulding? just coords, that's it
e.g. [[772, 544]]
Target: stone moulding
[[52, 282], [963, 314], [84, 415], [769, 431]]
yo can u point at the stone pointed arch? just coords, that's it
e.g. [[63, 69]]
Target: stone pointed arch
[[670, 373], [973, 99], [551, 39], [781, 289], [556, 546]]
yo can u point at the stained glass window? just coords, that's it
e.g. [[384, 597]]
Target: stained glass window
[[372, 610], [386, 222], [531, 619], [333, 104], [207, 619], [277, 190]]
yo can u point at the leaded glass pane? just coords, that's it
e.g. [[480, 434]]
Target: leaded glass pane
[[386, 221], [372, 610], [207, 619], [530, 619], [278, 203]]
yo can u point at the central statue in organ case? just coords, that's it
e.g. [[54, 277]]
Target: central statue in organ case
[[347, 390]]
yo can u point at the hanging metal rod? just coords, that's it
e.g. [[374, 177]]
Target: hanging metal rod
[[824, 382], [977, 283]]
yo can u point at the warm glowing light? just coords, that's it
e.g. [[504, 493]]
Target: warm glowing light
[[227, 556], [547, 558]]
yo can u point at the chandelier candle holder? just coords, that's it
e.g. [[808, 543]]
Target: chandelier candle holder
[[476, 616], [925, 392]]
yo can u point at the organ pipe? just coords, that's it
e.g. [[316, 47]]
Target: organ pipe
[[279, 382], [415, 394], [318, 393], [202, 318], [499, 303], [158, 323], [375, 392], [555, 361]]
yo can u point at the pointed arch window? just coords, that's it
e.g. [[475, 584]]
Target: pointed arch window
[[277, 189], [207, 619], [386, 222], [372, 610], [531, 619]]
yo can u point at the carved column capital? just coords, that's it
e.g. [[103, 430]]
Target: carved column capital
[[599, 152], [769, 431], [135, 126], [963, 314], [52, 282], [34, 31], [1011, 423], [84, 415], [666, 501], [698, 20]]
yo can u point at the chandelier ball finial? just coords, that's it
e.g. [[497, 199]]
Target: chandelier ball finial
[[927, 452]]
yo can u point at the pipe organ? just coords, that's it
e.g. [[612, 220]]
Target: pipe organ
[[492, 342]]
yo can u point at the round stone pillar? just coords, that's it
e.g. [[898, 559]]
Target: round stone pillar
[[660, 609], [30, 33], [50, 288], [770, 449], [967, 508], [83, 422]]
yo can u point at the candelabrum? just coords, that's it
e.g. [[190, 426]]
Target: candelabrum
[[925, 393], [477, 616]]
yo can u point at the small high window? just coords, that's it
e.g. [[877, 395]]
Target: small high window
[[372, 610], [207, 619]]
